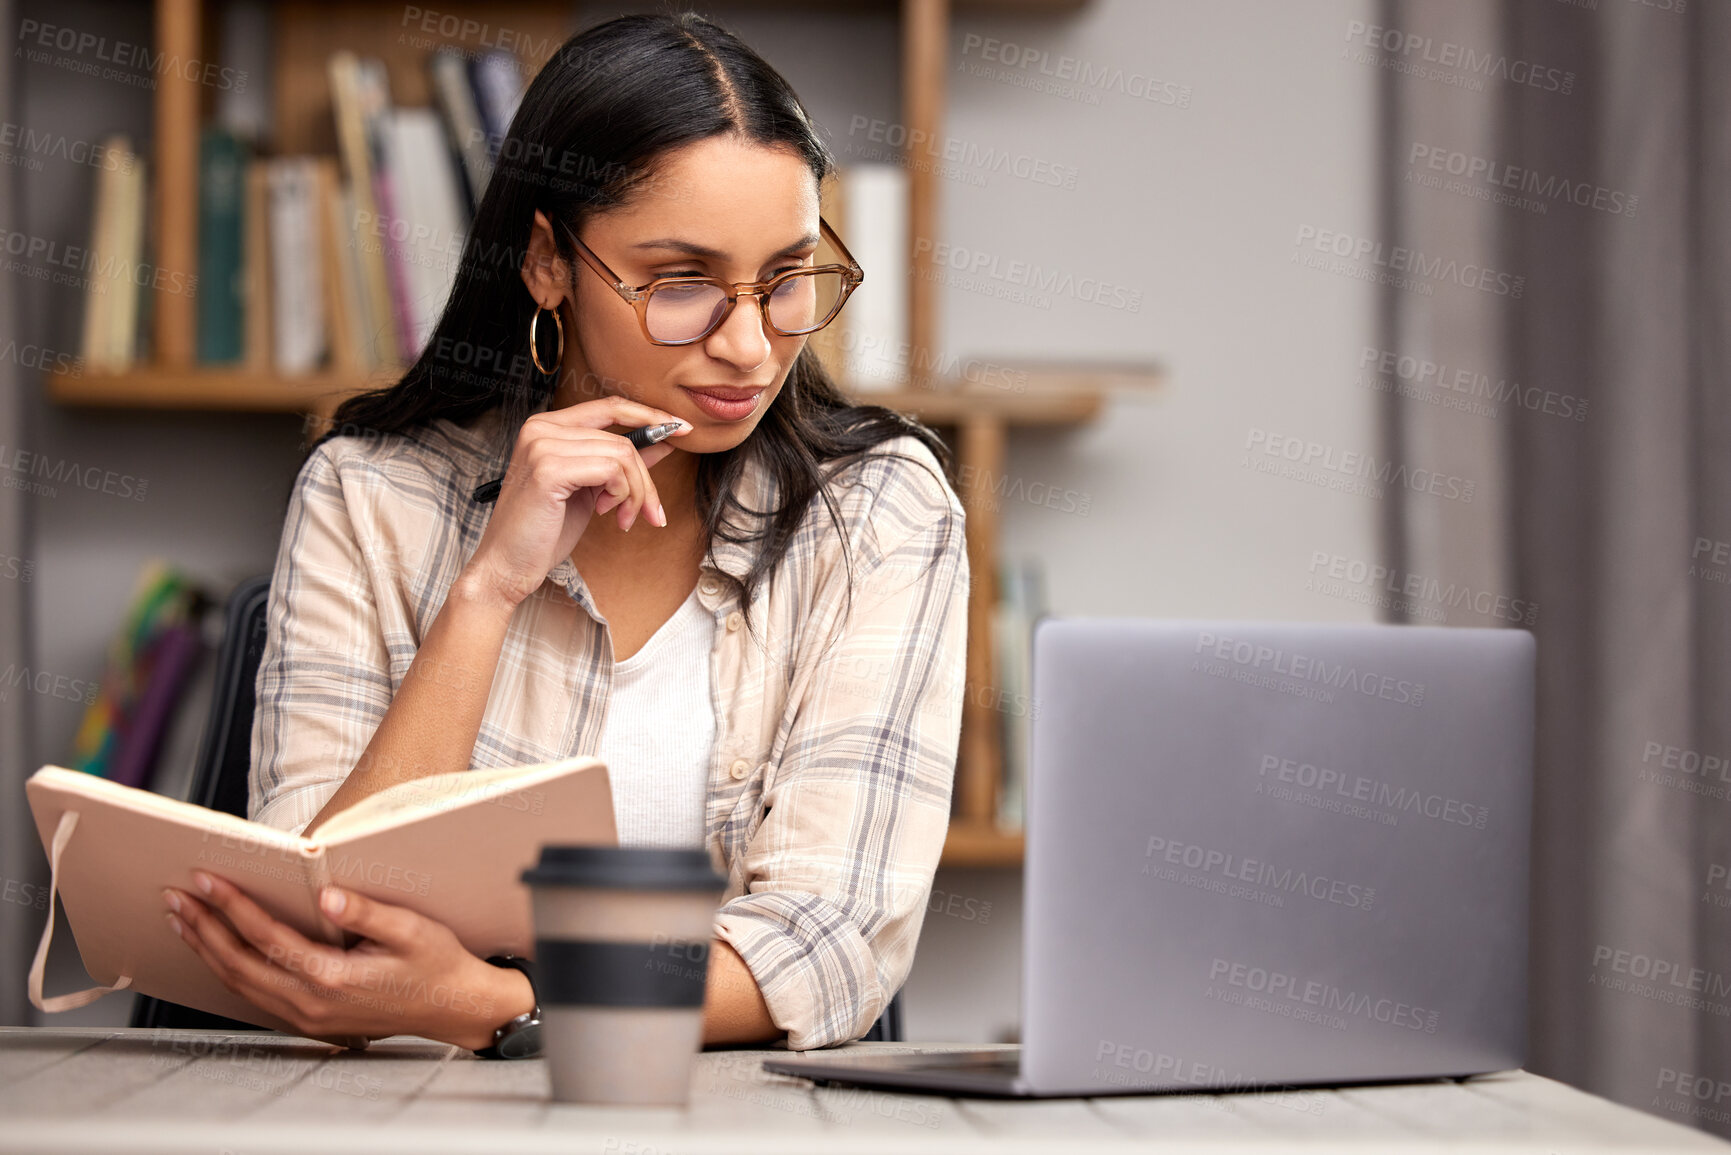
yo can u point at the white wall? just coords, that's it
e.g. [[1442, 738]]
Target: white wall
[[1197, 208]]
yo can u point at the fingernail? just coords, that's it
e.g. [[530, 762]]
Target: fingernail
[[175, 926], [333, 900], [660, 515], [172, 899], [202, 879]]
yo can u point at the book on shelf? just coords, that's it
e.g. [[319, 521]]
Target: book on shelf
[[429, 221], [1021, 602], [448, 70], [309, 263], [450, 846], [255, 268], [497, 79], [867, 346], [340, 264], [297, 282], [112, 298], [412, 176], [355, 105], [221, 305]]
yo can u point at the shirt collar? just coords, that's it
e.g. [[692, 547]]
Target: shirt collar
[[756, 489]]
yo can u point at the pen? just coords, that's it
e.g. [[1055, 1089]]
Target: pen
[[642, 437]]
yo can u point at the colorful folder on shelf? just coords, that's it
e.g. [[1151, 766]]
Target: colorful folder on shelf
[[148, 664]]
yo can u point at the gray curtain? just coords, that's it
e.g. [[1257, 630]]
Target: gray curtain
[[20, 852], [1606, 475]]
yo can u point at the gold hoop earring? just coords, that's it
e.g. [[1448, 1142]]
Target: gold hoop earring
[[534, 349]]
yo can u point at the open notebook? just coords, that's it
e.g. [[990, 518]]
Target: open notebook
[[450, 846]]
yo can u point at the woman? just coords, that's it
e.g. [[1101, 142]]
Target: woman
[[772, 662]]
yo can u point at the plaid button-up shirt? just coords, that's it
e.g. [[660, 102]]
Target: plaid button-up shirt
[[836, 728]]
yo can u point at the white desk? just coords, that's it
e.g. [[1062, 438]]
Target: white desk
[[103, 1090]]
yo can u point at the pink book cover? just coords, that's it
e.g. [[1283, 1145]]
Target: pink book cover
[[452, 846]]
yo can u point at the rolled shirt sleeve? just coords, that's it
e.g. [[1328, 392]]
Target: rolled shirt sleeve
[[324, 681], [840, 868]]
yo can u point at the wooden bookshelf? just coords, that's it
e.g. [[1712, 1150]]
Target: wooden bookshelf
[[976, 420], [209, 388]]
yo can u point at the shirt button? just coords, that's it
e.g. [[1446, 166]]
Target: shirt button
[[739, 769], [735, 620], [708, 586]]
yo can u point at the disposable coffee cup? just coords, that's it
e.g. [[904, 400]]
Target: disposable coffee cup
[[621, 957]]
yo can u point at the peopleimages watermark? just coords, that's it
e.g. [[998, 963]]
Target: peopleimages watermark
[[41, 358], [870, 678], [26, 147], [883, 360], [1486, 179], [272, 1070], [1674, 7], [975, 484], [1298, 669], [45, 259], [1334, 789], [1397, 265], [1717, 566], [1263, 882], [1064, 76], [39, 474], [567, 170], [1132, 1060], [1419, 597], [739, 1075], [90, 55], [1684, 1093], [405, 240], [1019, 280], [1690, 771], [429, 27], [1718, 880], [1454, 387], [1447, 61], [46, 683], [962, 159], [267, 857], [1346, 470], [30, 894], [1288, 996], [1662, 980]]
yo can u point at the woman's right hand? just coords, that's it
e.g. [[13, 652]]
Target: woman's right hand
[[565, 469]]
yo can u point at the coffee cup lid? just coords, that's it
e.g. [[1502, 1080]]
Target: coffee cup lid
[[625, 867]]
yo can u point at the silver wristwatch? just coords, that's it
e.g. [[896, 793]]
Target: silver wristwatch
[[521, 1037]]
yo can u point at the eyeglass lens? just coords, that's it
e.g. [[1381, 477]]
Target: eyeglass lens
[[800, 303]]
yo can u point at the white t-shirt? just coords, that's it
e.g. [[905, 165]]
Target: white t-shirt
[[660, 732]]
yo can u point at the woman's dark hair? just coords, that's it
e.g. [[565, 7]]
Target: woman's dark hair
[[588, 137]]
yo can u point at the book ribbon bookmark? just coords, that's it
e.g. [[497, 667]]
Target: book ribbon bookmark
[[62, 835]]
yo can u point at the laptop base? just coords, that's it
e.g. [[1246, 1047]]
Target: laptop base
[[992, 1074]]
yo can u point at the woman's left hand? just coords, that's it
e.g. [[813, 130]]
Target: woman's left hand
[[408, 975]]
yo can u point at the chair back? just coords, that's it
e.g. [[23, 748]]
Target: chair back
[[219, 779]]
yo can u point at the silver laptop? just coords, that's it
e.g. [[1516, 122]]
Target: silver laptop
[[1261, 855]]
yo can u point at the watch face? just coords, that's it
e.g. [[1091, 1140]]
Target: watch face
[[521, 1042]]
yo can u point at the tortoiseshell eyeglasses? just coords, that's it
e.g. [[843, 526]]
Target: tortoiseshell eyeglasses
[[683, 310]]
